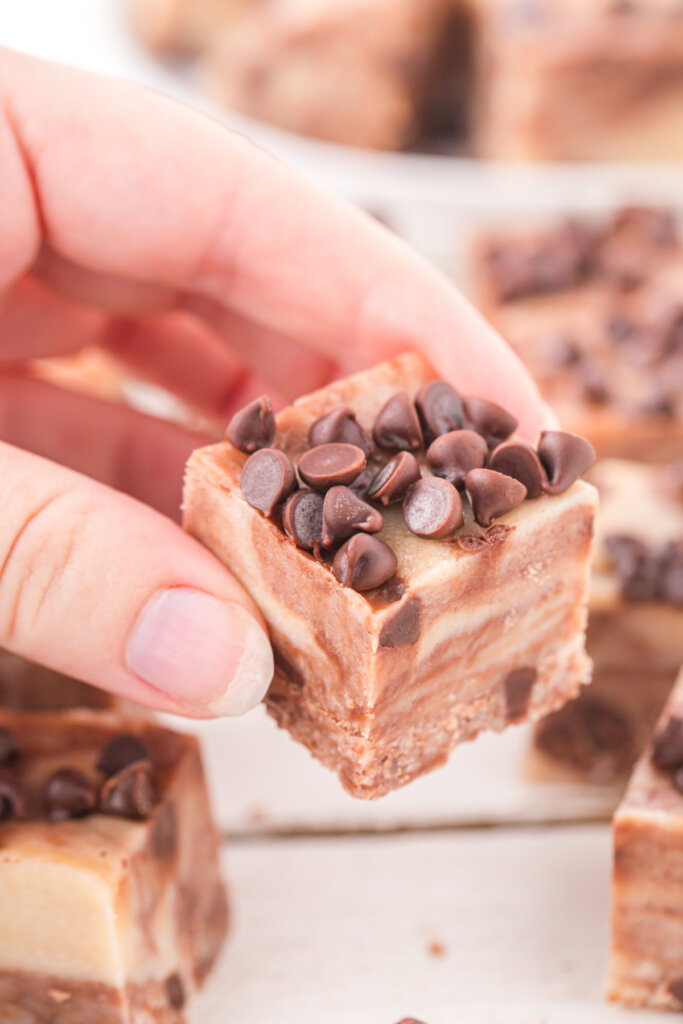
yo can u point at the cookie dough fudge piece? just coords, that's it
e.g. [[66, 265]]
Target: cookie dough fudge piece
[[113, 909], [647, 913], [594, 311], [407, 611], [182, 26], [635, 628]]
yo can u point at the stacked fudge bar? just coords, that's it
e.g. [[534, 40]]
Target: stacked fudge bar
[[520, 79], [423, 574]]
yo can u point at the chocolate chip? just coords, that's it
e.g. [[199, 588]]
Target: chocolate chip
[[253, 427], [670, 582], [492, 494], [302, 518], [453, 455], [591, 736], [594, 384], [175, 991], [637, 567], [494, 535], [564, 352], [130, 792], [439, 407], [565, 457], [433, 508], [677, 779], [121, 751], [12, 799], [267, 479], [660, 402], [345, 513], [164, 838], [403, 628], [339, 427], [69, 793], [676, 989], [9, 746], [667, 747], [330, 464], [620, 328], [656, 224], [397, 424], [364, 563], [394, 480], [520, 461], [488, 419], [518, 685]]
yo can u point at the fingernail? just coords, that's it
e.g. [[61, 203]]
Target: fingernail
[[209, 654]]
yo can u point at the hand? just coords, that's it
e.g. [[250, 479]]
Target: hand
[[134, 224]]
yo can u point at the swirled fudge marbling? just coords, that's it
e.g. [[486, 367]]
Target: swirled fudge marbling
[[414, 595]]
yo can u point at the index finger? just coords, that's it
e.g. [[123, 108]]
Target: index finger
[[126, 183]]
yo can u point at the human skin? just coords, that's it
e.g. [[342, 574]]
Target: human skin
[[207, 266]]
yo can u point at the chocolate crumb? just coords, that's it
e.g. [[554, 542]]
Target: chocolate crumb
[[518, 685], [12, 798], [493, 536], [131, 792], [253, 427], [436, 949], [175, 991], [69, 793], [403, 628], [120, 751], [9, 746]]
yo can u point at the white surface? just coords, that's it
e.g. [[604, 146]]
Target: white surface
[[337, 931]]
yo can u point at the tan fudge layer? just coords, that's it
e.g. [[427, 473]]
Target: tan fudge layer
[[636, 646], [377, 714], [647, 916], [107, 919]]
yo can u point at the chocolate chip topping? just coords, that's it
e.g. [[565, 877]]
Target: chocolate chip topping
[[175, 991], [394, 480], [69, 793], [345, 513], [364, 563], [439, 407], [397, 424], [667, 747], [267, 479], [12, 798], [130, 792], [253, 427], [520, 461], [120, 751], [565, 457], [403, 628], [492, 494], [590, 735], [433, 508], [340, 427], [330, 464], [9, 746], [453, 455], [517, 686], [302, 518], [488, 419]]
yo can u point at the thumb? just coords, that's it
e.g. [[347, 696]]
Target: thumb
[[100, 587]]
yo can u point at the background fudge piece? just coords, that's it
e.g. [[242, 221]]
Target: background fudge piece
[[113, 909], [30, 687], [635, 627], [473, 631], [646, 963], [595, 312], [181, 26]]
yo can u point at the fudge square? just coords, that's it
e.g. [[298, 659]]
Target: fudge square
[[113, 909], [417, 636], [646, 963]]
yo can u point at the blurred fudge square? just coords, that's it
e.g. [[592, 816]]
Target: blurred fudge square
[[113, 909], [646, 962], [595, 312], [181, 26], [635, 627], [408, 611], [27, 686]]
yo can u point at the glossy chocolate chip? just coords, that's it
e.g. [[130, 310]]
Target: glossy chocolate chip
[[517, 687], [12, 798], [9, 746], [69, 793], [253, 427], [330, 464], [394, 480], [433, 508], [302, 518], [175, 991], [130, 792], [565, 458], [488, 419], [345, 513], [364, 563], [339, 427], [492, 494], [454, 454], [667, 747], [121, 751], [520, 461], [397, 425], [267, 479], [439, 407], [403, 628]]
